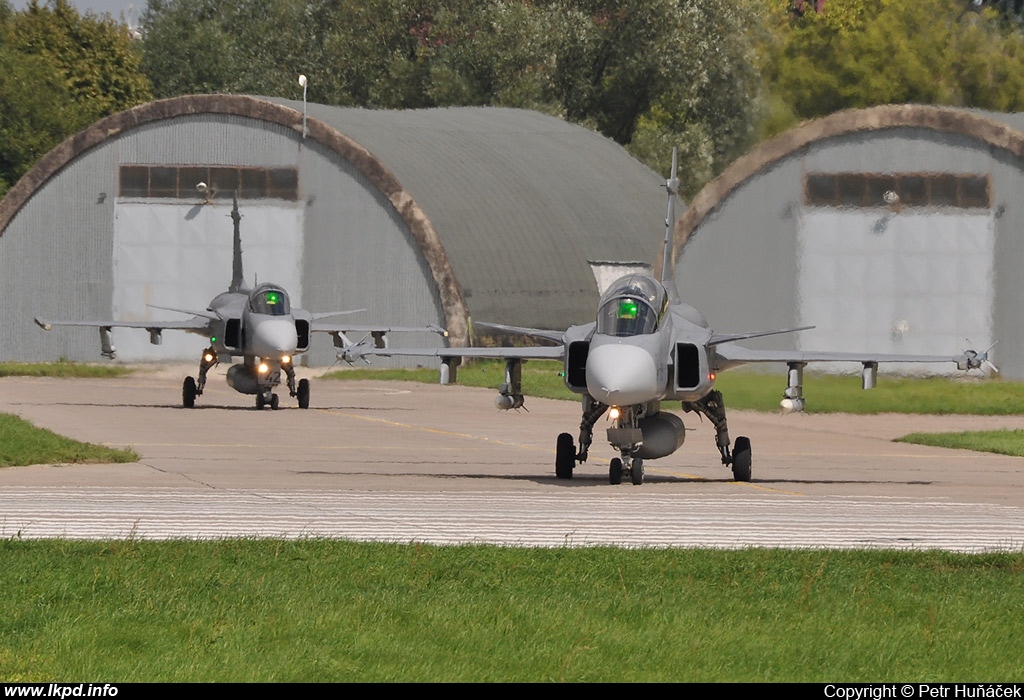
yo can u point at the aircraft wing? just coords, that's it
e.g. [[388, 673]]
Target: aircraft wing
[[735, 355], [527, 353], [374, 340], [554, 336], [321, 327], [719, 338], [355, 352], [195, 325]]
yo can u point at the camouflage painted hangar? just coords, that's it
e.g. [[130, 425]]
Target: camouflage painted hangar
[[426, 216], [891, 229]]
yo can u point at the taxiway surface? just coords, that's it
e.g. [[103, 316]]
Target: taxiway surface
[[410, 462]]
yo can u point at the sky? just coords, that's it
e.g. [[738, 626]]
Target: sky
[[114, 8]]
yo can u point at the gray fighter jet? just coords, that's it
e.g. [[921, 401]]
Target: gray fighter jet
[[645, 348], [259, 325]]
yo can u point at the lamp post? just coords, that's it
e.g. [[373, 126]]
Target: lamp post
[[303, 82]]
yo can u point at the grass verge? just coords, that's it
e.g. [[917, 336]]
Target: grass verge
[[762, 392], [61, 369], [321, 610], [21, 444], [1004, 442]]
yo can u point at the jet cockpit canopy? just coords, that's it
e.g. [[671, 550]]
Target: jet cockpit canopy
[[270, 300], [632, 305]]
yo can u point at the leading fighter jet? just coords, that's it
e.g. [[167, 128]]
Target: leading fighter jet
[[646, 347], [259, 325]]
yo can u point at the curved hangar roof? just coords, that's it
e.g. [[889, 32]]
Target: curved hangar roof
[[891, 229], [505, 206]]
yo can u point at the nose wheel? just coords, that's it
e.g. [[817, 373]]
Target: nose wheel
[[635, 471], [268, 399]]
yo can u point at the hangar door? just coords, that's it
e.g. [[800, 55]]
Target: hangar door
[[896, 264]]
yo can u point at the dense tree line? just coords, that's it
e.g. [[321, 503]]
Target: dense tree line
[[710, 76], [858, 53], [59, 72], [646, 73]]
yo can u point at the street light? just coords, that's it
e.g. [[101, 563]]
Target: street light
[[303, 81]]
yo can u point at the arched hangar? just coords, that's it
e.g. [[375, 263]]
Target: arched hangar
[[425, 216], [896, 229]]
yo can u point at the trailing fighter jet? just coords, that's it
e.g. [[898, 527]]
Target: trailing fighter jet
[[646, 347], [259, 325]]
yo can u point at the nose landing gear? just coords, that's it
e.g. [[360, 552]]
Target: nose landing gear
[[267, 399]]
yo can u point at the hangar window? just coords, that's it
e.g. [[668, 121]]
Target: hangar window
[[180, 181], [904, 189], [134, 181], [163, 182]]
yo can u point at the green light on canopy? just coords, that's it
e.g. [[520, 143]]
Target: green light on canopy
[[273, 297], [628, 309]]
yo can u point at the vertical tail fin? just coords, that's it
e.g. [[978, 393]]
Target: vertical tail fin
[[667, 266], [237, 280]]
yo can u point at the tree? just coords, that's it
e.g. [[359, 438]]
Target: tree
[[647, 73], [59, 72], [710, 100], [856, 53]]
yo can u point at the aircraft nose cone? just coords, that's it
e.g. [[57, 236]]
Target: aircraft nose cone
[[274, 337], [621, 375]]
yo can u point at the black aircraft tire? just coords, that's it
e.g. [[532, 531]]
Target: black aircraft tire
[[188, 392], [303, 393], [565, 456], [615, 472], [636, 472], [260, 402], [275, 401], [741, 459]]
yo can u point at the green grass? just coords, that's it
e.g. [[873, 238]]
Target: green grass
[[1004, 442], [744, 389], [893, 394], [320, 610], [21, 444], [61, 369]]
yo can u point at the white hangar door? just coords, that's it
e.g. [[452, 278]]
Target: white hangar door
[[178, 254], [909, 281]]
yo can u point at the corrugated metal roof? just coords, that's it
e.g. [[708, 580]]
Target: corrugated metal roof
[[520, 200], [1014, 120]]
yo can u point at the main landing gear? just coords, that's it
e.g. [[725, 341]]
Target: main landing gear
[[300, 391], [566, 456], [190, 388], [628, 438], [713, 407]]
